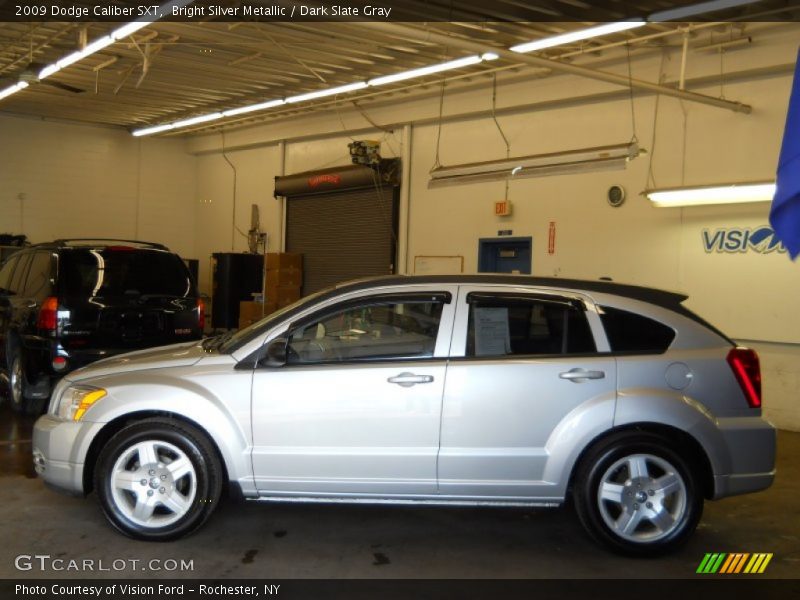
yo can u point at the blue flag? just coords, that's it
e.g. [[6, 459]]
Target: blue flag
[[785, 212]]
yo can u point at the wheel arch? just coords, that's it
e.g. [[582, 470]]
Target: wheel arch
[[683, 443], [113, 427]]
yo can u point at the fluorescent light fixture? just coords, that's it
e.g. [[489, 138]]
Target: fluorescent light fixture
[[252, 108], [90, 49], [196, 120], [342, 89], [13, 89], [154, 129], [678, 14], [437, 68], [586, 160], [490, 56], [49, 70], [712, 194], [129, 28], [575, 36]]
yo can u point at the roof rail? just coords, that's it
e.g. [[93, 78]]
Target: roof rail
[[89, 241]]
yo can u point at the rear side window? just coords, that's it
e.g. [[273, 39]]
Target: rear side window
[[38, 284], [5, 274], [518, 325], [117, 272], [630, 332], [18, 278]]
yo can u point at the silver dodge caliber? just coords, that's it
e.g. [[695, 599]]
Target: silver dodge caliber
[[450, 390]]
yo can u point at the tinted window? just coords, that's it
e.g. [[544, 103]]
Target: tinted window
[[38, 275], [386, 330], [501, 326], [18, 278], [5, 274], [123, 271], [629, 332]]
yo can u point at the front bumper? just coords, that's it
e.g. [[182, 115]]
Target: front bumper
[[751, 444], [59, 452]]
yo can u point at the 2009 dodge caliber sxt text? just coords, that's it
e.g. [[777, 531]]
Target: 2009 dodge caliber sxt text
[[453, 389]]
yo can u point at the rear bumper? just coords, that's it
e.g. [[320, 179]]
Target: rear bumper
[[751, 444]]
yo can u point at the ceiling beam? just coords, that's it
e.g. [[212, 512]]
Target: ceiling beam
[[405, 31]]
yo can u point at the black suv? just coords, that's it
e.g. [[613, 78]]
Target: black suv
[[70, 302]]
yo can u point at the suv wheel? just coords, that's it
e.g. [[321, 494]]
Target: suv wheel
[[17, 382], [636, 495], [158, 479]]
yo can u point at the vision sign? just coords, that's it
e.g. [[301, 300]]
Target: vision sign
[[732, 240]]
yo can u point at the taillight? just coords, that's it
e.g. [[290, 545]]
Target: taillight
[[48, 314], [746, 368], [201, 314]]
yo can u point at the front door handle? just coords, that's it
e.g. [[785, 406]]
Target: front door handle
[[409, 379], [581, 375]]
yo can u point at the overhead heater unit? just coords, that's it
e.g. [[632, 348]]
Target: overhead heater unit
[[585, 160]]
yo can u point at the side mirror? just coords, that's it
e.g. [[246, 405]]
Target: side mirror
[[274, 354]]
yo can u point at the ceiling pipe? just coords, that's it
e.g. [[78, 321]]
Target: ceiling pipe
[[555, 65]]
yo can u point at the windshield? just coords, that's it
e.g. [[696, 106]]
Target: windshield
[[231, 342], [121, 271]]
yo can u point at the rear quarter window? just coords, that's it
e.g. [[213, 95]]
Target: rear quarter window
[[634, 333]]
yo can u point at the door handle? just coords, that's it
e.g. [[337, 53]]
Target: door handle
[[581, 375], [409, 379]]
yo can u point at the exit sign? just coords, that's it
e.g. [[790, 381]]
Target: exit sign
[[502, 208]]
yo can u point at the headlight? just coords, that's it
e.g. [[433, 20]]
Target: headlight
[[76, 400]]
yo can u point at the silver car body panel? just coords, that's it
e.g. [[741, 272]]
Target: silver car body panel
[[480, 431]]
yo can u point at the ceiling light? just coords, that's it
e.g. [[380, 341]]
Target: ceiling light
[[13, 89], [678, 14], [129, 28], [429, 70], [251, 108], [557, 163], [712, 194], [196, 120], [575, 36], [154, 129], [342, 89]]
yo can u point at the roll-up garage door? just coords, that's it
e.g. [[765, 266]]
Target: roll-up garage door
[[343, 234]]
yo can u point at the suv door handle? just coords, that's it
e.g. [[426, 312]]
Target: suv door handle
[[409, 379], [581, 375]]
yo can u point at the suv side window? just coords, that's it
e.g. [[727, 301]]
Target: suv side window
[[630, 332], [510, 324], [5, 274], [18, 278], [38, 284], [393, 329]]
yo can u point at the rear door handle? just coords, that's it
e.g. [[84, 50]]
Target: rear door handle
[[409, 379], [581, 375]]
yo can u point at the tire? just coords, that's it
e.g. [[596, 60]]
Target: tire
[[181, 473], [21, 396], [637, 495]]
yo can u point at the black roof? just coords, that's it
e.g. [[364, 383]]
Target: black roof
[[95, 242]]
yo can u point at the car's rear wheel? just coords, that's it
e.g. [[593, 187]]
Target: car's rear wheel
[[17, 382], [158, 479], [634, 493]]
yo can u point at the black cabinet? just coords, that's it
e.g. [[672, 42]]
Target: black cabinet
[[236, 277]]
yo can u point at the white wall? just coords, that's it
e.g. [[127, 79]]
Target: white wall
[[750, 296], [84, 181]]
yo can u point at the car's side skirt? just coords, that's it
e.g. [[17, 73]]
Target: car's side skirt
[[432, 501]]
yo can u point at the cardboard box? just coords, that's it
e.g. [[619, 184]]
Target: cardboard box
[[250, 312], [283, 295], [284, 278], [284, 261]]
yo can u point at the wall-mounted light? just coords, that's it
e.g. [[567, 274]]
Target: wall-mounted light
[[712, 194], [584, 160]]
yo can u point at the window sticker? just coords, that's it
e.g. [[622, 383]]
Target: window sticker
[[492, 336]]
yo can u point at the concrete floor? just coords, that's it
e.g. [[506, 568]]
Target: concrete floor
[[303, 541]]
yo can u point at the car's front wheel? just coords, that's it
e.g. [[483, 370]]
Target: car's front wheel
[[158, 479], [637, 495]]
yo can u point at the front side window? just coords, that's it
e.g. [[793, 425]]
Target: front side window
[[373, 330], [503, 325]]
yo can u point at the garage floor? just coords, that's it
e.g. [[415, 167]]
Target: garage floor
[[330, 541]]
